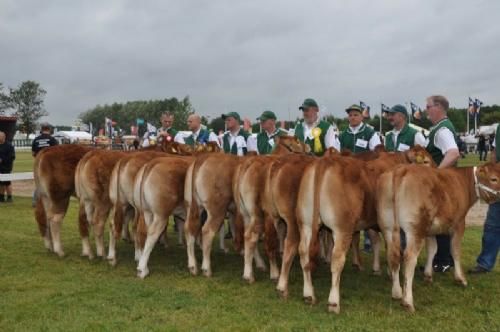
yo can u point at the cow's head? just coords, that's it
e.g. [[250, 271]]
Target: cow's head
[[290, 144], [419, 155], [488, 177]]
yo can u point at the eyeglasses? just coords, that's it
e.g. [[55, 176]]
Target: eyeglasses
[[430, 106]]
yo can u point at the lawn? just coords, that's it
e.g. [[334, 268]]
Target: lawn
[[23, 162], [43, 292]]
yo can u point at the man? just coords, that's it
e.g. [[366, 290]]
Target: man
[[234, 140], [442, 146], [199, 134], [358, 137], [166, 130], [402, 137], [491, 232], [318, 134], [44, 140], [7, 156], [266, 139]]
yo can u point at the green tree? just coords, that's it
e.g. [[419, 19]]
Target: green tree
[[4, 100], [27, 103]]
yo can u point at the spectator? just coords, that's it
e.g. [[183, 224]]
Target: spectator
[[43, 141], [7, 156], [481, 147]]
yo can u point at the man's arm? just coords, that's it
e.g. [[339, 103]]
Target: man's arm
[[445, 141], [374, 141], [331, 139], [450, 158], [213, 138]]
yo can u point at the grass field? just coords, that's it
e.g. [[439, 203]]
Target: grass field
[[23, 162], [41, 292]]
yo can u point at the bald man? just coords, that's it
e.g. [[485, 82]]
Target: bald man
[[199, 135]]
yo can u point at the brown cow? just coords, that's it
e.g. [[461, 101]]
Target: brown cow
[[339, 192], [424, 202], [249, 189], [158, 193], [54, 173]]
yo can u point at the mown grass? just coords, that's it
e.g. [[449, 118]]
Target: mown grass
[[24, 162], [43, 292]]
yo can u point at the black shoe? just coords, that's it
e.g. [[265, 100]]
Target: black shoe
[[367, 248], [441, 267], [478, 270], [9, 199]]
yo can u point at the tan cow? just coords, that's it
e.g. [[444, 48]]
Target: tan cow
[[339, 192], [249, 193], [54, 173], [159, 193], [424, 202]]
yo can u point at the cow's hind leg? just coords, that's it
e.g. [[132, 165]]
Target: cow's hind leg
[[392, 241], [340, 247], [191, 231], [250, 244], [289, 252], [213, 224], [413, 248], [99, 219], [85, 218], [306, 238], [431, 248], [156, 225], [55, 217], [356, 254], [456, 244]]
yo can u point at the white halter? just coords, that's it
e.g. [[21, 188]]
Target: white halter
[[479, 186]]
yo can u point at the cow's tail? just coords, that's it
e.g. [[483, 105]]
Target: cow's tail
[[319, 169], [271, 244], [239, 226], [141, 231], [83, 225], [397, 178], [40, 213], [118, 208], [193, 223]]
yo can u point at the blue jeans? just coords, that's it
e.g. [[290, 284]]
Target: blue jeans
[[491, 238]]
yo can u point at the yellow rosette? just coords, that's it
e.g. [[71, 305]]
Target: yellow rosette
[[318, 148]]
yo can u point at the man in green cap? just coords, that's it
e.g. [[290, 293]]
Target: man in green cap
[[319, 135], [234, 140], [264, 144], [442, 146], [402, 137], [358, 137], [199, 135]]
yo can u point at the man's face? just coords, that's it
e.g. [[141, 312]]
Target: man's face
[[396, 119], [193, 123], [2, 137], [434, 111], [355, 118], [231, 123], [167, 121], [310, 114], [268, 125]]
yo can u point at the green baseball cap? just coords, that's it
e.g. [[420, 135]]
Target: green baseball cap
[[309, 102], [398, 109], [266, 115], [354, 107], [231, 115]]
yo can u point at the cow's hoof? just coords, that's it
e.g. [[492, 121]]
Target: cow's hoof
[[274, 279], [333, 307], [250, 280], [397, 295], [377, 272], [408, 307], [282, 293], [262, 268], [143, 273], [60, 254], [193, 270], [311, 300], [112, 261], [207, 273], [357, 267], [428, 279], [461, 282]]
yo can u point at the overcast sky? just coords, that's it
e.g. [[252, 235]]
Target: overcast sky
[[247, 56]]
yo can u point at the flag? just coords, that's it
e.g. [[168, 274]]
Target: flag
[[151, 129], [108, 127], [384, 109], [416, 112], [472, 108], [139, 121], [366, 110], [477, 105]]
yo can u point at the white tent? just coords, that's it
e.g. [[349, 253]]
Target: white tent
[[72, 136]]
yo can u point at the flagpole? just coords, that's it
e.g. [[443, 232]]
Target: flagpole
[[468, 119], [409, 108], [380, 127]]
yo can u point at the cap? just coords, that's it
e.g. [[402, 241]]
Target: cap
[[231, 115], [398, 109], [266, 115], [354, 107], [309, 102]]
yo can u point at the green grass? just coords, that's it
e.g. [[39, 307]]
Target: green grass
[[24, 162], [470, 159], [43, 292]]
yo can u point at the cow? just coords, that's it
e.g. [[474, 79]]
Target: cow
[[423, 202], [488, 182], [209, 187], [339, 192], [158, 193], [249, 193], [54, 174]]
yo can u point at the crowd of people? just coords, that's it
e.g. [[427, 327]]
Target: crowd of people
[[320, 135]]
